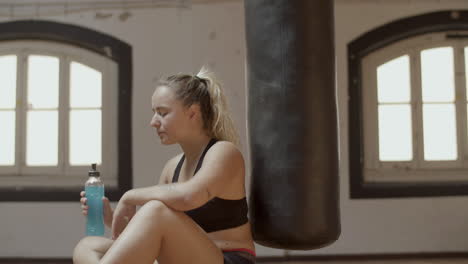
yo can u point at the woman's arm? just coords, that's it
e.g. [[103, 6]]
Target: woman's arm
[[173, 195], [222, 164]]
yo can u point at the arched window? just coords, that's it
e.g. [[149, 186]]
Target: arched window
[[64, 104], [408, 108]]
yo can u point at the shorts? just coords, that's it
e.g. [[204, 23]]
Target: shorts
[[239, 256]]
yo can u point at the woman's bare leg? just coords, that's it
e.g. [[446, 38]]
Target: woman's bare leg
[[91, 249], [159, 232]]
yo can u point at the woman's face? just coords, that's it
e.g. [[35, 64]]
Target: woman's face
[[170, 118]]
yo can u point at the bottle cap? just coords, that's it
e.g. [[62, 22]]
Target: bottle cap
[[93, 172]]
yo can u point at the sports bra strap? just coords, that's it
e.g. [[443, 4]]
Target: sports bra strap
[[175, 178]]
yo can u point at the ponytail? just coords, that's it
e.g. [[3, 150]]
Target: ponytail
[[222, 127]]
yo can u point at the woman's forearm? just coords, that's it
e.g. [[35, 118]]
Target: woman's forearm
[[176, 195]]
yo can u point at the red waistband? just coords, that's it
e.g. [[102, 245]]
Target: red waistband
[[241, 249]]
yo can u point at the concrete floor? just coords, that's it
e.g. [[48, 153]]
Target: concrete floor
[[392, 261], [451, 260]]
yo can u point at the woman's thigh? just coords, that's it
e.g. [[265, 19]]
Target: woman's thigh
[[185, 242], [157, 231], [99, 244], [91, 248]]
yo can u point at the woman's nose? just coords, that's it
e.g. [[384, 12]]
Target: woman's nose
[[155, 122]]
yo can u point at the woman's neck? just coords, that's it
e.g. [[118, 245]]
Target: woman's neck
[[194, 147]]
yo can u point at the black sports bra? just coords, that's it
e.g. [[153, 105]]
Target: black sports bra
[[217, 214]]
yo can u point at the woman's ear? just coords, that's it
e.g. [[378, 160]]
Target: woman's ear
[[193, 111]]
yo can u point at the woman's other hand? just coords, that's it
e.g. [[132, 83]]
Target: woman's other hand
[[108, 212]]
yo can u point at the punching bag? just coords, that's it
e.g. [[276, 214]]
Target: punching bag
[[292, 123]]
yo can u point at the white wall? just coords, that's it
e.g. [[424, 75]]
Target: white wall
[[389, 225], [166, 41]]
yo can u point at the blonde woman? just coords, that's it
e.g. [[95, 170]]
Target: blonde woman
[[198, 211]]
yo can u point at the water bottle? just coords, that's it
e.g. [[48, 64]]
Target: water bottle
[[94, 189]]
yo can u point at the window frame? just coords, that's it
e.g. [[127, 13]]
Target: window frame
[[61, 174], [389, 36], [90, 43], [408, 48]]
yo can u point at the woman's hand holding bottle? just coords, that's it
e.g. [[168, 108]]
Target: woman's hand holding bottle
[[108, 212]]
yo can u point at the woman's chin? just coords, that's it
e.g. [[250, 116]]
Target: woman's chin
[[165, 141]]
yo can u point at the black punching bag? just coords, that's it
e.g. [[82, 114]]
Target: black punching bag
[[292, 119]]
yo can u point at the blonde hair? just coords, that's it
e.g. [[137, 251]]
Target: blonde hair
[[204, 89]]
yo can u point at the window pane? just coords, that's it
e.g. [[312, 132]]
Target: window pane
[[85, 86], [437, 75], [7, 138], [395, 136], [85, 137], [42, 138], [43, 81], [440, 138], [8, 81], [393, 81]]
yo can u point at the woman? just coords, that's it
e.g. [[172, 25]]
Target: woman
[[198, 212]]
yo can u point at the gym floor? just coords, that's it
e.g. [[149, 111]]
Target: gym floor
[[398, 261], [460, 260]]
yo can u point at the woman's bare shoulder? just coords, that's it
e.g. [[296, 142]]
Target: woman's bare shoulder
[[227, 145], [169, 168], [227, 152]]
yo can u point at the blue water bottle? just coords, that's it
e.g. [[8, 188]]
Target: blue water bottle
[[94, 189]]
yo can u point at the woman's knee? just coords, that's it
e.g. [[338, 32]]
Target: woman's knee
[[91, 249], [155, 207], [84, 243], [158, 212], [92, 243], [82, 248]]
